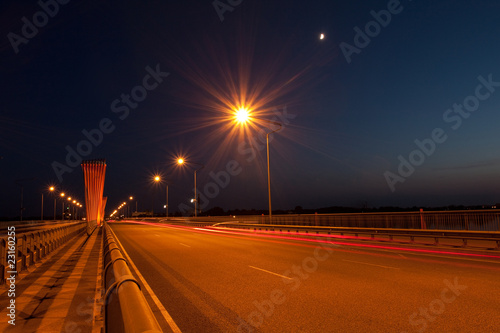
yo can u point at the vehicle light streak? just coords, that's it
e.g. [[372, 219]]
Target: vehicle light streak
[[276, 239]]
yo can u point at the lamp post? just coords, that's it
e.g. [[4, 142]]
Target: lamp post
[[52, 189], [181, 161], [131, 198], [157, 179], [242, 116], [69, 199], [62, 201], [42, 208], [166, 206], [20, 183]]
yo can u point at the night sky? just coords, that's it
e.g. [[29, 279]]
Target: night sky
[[151, 81]]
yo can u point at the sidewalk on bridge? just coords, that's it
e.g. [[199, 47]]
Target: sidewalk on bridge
[[61, 293]]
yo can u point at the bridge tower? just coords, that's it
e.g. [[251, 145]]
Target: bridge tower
[[94, 172]]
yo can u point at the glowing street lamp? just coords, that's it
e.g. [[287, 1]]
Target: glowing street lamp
[[62, 201], [158, 180], [132, 198], [182, 161], [242, 116], [69, 199]]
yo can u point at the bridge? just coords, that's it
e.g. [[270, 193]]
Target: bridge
[[383, 272]]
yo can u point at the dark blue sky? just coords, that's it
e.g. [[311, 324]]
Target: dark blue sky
[[355, 103]]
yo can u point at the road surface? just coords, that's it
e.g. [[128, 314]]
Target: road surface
[[219, 281]]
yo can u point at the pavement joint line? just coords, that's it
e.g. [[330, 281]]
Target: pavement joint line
[[155, 299], [365, 263], [260, 269]]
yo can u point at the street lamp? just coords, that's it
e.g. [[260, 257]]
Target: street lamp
[[158, 180], [62, 201], [181, 161], [74, 209], [242, 116], [132, 198], [69, 199], [52, 189], [42, 208]]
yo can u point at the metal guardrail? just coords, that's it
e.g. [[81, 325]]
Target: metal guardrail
[[125, 307], [491, 238], [479, 220], [31, 247]]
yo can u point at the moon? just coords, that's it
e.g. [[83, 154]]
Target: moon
[[322, 36]]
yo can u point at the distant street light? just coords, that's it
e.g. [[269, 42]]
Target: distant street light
[[242, 116], [52, 189], [62, 201], [69, 199], [182, 161], [131, 198], [158, 180]]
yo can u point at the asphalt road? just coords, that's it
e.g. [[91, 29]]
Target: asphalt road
[[217, 281]]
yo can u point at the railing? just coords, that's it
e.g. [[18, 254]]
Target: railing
[[479, 220], [25, 249], [125, 307]]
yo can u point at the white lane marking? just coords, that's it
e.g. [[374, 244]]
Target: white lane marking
[[365, 263], [260, 269], [185, 245], [155, 299]]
